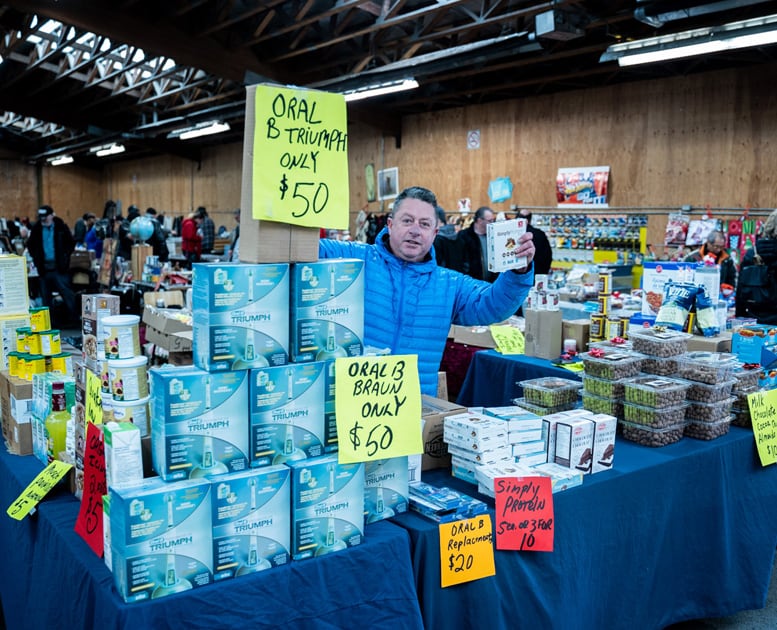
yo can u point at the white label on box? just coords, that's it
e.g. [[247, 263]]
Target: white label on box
[[503, 238], [21, 409]]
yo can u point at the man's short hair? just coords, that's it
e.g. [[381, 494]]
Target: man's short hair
[[151, 211], [440, 215], [414, 192], [480, 213], [714, 236]]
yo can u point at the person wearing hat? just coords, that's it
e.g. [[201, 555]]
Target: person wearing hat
[[50, 245]]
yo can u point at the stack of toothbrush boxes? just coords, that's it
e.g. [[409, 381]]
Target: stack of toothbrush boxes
[[524, 433], [473, 440]]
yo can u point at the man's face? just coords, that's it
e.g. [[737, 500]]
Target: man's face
[[412, 230], [47, 220], [480, 224], [717, 246]]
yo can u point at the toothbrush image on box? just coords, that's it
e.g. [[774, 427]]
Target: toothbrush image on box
[[172, 583], [289, 452], [209, 465], [331, 350], [251, 358], [253, 561], [332, 543]]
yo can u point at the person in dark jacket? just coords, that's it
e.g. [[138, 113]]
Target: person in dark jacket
[[158, 241], [765, 308], [83, 225], [473, 244], [447, 248], [50, 245], [126, 240], [715, 249], [412, 301]]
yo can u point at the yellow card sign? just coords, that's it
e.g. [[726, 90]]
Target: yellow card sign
[[466, 550], [509, 340], [300, 168], [94, 403], [377, 407], [763, 412], [38, 488]]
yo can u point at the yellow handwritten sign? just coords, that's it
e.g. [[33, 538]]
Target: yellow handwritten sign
[[378, 407], [763, 412], [94, 403], [509, 340], [38, 488], [300, 168], [466, 550]]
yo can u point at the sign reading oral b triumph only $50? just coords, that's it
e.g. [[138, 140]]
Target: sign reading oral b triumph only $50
[[300, 157]]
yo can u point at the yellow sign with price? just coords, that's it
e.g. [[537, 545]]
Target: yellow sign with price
[[94, 403], [763, 413], [378, 407], [38, 488], [300, 164], [509, 340], [466, 550]]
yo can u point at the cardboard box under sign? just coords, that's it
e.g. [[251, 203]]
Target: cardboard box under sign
[[172, 342], [577, 329], [267, 241], [718, 343], [15, 409], [166, 320], [434, 411], [542, 334], [474, 336]]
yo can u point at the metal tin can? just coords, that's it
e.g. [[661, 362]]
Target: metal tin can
[[62, 363], [35, 364], [13, 363], [49, 342], [604, 303], [597, 327], [541, 282], [625, 323], [605, 282], [40, 318], [21, 338], [613, 328]]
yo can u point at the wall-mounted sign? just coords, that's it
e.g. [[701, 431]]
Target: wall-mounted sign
[[582, 186]]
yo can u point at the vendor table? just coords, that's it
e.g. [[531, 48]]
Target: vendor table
[[492, 378], [51, 579], [687, 531]]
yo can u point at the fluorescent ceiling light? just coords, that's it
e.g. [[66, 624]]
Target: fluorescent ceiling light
[[702, 41], [59, 161], [203, 129], [379, 89], [111, 149]]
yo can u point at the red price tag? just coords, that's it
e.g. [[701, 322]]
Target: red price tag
[[89, 524], [524, 513]]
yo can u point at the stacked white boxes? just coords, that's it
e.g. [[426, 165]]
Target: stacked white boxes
[[524, 433], [475, 439]]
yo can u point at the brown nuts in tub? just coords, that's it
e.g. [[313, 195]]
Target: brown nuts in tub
[[707, 430], [702, 392], [655, 391], [657, 418], [659, 365], [659, 343], [648, 436]]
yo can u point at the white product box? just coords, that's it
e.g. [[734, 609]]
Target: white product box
[[502, 238], [464, 470], [575, 444], [518, 437], [464, 440], [327, 310], [107, 557], [549, 428], [561, 477], [504, 454], [199, 421], [475, 425], [123, 455], [529, 448], [517, 418], [655, 275], [487, 474], [287, 413], [533, 459], [385, 488], [240, 316], [161, 538], [251, 521], [327, 506], [605, 427]]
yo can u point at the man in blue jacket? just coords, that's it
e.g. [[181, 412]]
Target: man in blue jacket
[[409, 301]]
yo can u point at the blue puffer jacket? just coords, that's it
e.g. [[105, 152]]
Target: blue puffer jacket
[[409, 307]]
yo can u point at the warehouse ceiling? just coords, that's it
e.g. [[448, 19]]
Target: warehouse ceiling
[[79, 74]]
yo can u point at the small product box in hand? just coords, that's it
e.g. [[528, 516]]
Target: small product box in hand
[[503, 238]]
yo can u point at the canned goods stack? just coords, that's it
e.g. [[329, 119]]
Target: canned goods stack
[[605, 324], [38, 349], [542, 297]]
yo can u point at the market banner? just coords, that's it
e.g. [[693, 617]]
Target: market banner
[[582, 186], [299, 157]]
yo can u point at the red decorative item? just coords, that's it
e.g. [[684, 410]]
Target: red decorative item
[[596, 353]]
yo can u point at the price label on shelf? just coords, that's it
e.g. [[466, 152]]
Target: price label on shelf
[[378, 407], [524, 513], [300, 157], [763, 412], [466, 550], [38, 488]]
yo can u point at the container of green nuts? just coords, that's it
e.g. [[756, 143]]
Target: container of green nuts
[[655, 391], [550, 391]]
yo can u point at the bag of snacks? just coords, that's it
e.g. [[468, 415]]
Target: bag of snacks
[[706, 314], [678, 300]]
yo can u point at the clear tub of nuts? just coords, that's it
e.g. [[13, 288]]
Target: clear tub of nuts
[[651, 436], [603, 387], [658, 342], [747, 376], [550, 391], [709, 393], [740, 416], [540, 410], [612, 365], [707, 430], [662, 366], [599, 404], [707, 367], [709, 412], [622, 345], [657, 418], [655, 391]]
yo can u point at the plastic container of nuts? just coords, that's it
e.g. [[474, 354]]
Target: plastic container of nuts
[[659, 343], [740, 416], [599, 404], [709, 412], [612, 365], [609, 344], [655, 391], [651, 436], [747, 377], [550, 391], [707, 430], [709, 393], [707, 367], [663, 366], [603, 387], [540, 410], [654, 417]]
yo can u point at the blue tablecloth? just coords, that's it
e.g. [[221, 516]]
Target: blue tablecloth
[[492, 378], [51, 579], [687, 531]]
